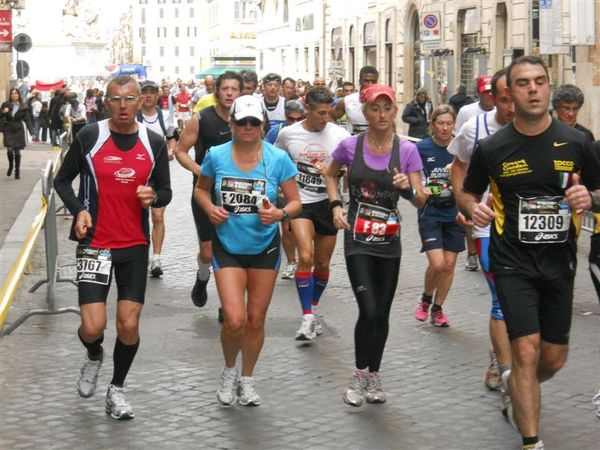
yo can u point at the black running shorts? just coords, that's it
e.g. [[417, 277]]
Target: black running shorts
[[532, 306], [269, 259], [320, 215], [130, 268]]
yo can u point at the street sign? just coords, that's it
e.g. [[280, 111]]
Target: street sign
[[431, 31], [5, 31], [22, 69], [22, 42]]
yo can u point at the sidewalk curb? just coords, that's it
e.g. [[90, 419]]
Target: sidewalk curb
[[16, 236]]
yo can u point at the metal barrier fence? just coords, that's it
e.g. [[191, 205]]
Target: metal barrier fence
[[46, 218], [587, 222]]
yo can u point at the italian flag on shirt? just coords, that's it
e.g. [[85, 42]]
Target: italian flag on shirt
[[565, 179]]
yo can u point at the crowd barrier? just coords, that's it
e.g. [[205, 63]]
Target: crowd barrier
[[46, 219]]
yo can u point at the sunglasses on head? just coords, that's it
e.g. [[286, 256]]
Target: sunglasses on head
[[253, 121]]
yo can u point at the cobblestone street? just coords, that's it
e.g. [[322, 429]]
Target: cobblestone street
[[433, 377]]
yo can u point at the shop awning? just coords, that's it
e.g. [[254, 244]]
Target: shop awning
[[215, 71]]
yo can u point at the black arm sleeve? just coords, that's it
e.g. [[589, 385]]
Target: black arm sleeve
[[161, 176], [477, 179], [71, 167]]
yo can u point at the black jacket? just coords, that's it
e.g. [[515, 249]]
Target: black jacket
[[12, 125], [417, 119], [457, 101]]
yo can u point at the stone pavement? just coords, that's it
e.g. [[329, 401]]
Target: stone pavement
[[17, 211], [433, 377]]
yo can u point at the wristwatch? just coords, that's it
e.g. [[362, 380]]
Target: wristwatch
[[285, 216]]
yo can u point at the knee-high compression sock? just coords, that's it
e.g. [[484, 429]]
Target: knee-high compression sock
[[95, 351], [321, 280], [305, 284], [122, 359]]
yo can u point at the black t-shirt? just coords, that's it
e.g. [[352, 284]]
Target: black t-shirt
[[535, 231]]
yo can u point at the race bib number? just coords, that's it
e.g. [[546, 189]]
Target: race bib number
[[239, 195], [544, 220], [93, 265], [309, 178], [376, 225]]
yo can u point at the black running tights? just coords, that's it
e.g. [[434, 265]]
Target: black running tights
[[374, 281]]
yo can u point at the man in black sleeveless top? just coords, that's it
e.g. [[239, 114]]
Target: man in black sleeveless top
[[204, 130]]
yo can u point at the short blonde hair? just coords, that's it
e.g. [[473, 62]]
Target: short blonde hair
[[439, 111]]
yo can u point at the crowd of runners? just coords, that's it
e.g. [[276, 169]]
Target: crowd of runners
[[276, 167]]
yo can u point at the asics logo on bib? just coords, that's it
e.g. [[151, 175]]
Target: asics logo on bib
[[546, 236], [242, 209]]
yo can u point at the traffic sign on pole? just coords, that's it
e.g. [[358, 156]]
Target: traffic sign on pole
[[5, 31], [22, 69], [22, 43]]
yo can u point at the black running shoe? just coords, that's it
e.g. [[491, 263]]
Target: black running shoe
[[199, 295]]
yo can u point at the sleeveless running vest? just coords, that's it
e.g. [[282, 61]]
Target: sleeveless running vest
[[373, 217], [213, 131]]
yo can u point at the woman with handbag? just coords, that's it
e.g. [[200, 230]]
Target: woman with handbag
[[14, 117]]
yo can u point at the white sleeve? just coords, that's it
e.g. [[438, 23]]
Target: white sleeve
[[462, 145]]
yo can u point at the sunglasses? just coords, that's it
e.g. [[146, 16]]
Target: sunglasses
[[294, 119], [253, 121]]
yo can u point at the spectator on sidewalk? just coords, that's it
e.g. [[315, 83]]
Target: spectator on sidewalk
[[14, 117], [417, 113]]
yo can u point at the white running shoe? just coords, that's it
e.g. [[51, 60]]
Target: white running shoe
[[155, 268], [306, 332], [318, 320], [375, 392], [289, 273], [116, 405], [357, 390], [471, 263], [492, 378], [227, 387], [88, 377], [596, 402], [507, 406], [247, 392]]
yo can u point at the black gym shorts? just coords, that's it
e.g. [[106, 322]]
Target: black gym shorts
[[532, 306], [320, 215], [130, 267]]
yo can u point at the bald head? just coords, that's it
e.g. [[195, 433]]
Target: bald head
[[209, 83]]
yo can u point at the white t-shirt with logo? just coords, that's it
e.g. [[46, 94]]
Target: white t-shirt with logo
[[464, 143], [307, 148]]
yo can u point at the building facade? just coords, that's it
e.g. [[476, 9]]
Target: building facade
[[290, 39], [232, 26], [169, 37], [436, 44]]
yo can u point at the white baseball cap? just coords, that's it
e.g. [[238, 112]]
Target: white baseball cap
[[247, 106]]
